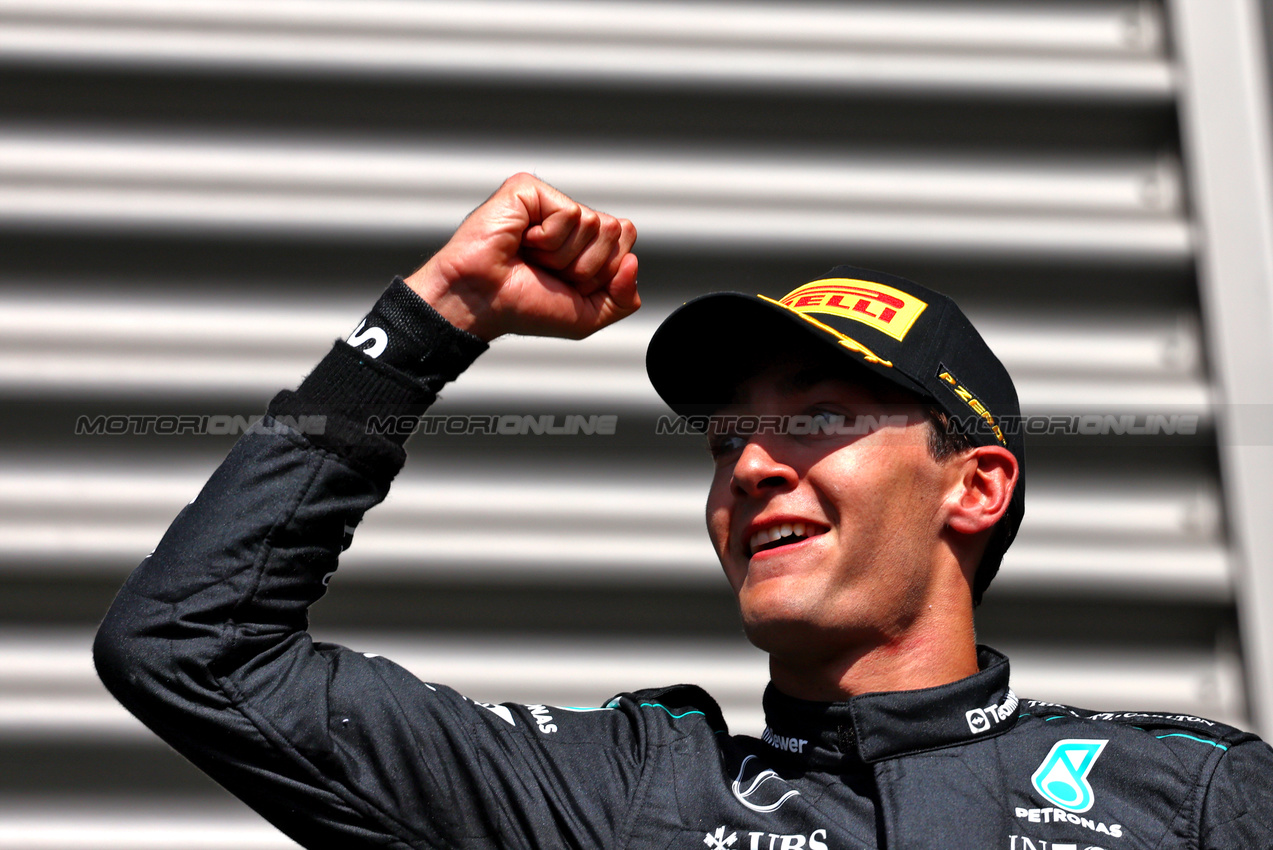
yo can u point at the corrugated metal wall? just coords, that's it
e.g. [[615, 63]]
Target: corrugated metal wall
[[197, 197]]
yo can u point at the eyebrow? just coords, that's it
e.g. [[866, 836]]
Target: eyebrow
[[811, 376], [808, 377], [802, 379]]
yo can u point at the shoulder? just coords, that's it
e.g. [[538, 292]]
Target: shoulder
[[675, 713], [684, 709], [1137, 772], [1174, 730], [1154, 747]]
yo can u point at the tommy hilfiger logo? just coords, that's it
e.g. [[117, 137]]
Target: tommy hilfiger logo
[[983, 719]]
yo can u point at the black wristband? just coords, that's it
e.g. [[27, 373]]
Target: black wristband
[[404, 332], [369, 397]]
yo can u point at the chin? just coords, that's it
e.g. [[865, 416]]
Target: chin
[[781, 623], [789, 639], [783, 627]]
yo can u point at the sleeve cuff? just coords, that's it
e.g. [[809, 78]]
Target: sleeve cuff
[[406, 352], [414, 338]]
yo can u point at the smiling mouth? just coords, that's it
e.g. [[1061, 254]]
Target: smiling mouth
[[782, 534]]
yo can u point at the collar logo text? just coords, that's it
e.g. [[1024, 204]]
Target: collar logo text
[[983, 719], [782, 742]]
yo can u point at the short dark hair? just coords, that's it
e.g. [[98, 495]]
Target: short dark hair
[[943, 440]]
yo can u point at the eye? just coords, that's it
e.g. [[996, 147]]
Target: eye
[[724, 445], [825, 420], [828, 420]]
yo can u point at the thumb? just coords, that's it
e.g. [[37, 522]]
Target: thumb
[[551, 233]]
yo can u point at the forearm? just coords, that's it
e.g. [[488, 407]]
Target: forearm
[[317, 483]]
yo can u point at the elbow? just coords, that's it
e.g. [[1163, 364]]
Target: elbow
[[155, 660], [132, 651], [117, 651]]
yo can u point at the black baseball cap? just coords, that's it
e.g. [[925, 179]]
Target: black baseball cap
[[908, 335]]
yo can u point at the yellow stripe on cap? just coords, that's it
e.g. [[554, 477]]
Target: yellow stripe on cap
[[847, 341], [888, 310], [973, 402]]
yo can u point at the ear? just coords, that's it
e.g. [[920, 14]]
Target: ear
[[987, 477]]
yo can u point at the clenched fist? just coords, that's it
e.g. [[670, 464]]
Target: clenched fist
[[532, 261]]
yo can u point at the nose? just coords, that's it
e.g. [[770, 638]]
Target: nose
[[759, 470]]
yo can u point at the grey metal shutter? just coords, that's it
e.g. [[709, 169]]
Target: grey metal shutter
[[197, 197]]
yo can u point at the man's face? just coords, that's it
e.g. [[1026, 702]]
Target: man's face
[[863, 512]]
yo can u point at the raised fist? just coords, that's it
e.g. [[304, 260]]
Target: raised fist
[[532, 261]]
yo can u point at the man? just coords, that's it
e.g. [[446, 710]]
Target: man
[[855, 528]]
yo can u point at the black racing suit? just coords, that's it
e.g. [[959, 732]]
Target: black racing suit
[[207, 644]]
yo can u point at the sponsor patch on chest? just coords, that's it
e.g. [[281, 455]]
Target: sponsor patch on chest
[[724, 838]]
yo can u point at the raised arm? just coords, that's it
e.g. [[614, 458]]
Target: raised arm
[[206, 642]]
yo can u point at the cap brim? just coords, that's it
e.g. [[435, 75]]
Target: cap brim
[[707, 347]]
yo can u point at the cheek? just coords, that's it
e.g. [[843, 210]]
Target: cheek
[[718, 513], [892, 510], [718, 521], [875, 502]]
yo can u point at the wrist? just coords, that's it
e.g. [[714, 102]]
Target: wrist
[[468, 313]]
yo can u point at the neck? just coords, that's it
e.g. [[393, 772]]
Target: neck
[[938, 646], [917, 660]]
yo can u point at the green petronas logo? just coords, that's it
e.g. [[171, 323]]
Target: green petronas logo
[[1062, 777]]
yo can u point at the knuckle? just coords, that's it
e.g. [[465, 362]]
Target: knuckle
[[520, 178], [610, 227], [583, 268]]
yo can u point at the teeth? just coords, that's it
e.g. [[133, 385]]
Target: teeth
[[777, 532]]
